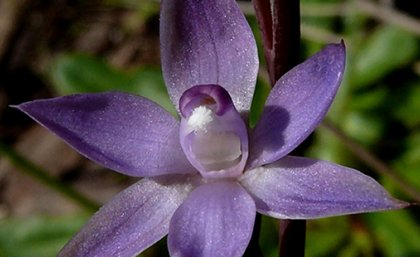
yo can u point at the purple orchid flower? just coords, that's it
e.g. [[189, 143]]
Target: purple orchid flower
[[207, 174]]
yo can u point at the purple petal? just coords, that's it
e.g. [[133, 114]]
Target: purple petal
[[296, 105], [132, 221], [123, 132], [208, 42], [215, 220], [213, 135], [301, 188]]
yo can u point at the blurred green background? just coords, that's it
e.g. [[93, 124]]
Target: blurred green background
[[50, 48]]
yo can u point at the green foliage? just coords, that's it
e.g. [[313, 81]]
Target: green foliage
[[407, 109], [378, 105], [78, 73], [37, 236], [384, 50], [365, 127], [262, 90], [409, 161], [269, 238], [397, 233], [325, 236]]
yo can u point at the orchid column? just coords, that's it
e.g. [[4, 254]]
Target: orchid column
[[205, 173]]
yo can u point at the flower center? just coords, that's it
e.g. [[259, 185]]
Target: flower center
[[213, 149], [212, 133], [200, 117]]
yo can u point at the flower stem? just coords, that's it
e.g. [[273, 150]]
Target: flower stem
[[43, 176], [279, 21], [292, 238]]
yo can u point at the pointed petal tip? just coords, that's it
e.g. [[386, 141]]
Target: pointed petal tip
[[297, 104], [341, 46], [337, 49], [404, 204], [302, 188], [126, 133], [22, 106], [410, 204], [395, 206], [334, 53], [19, 107]]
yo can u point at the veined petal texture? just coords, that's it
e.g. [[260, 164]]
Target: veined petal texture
[[296, 105], [302, 188], [208, 42], [123, 132], [216, 220], [132, 221]]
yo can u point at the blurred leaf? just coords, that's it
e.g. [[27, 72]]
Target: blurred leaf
[[396, 232], [409, 162], [313, 13], [326, 146], [258, 101], [148, 82], [36, 236], [387, 48], [324, 236], [362, 241], [359, 243], [408, 109], [252, 21], [132, 21], [78, 73], [372, 99], [269, 237], [349, 251], [363, 127]]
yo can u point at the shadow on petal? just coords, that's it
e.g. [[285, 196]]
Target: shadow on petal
[[305, 93], [268, 134]]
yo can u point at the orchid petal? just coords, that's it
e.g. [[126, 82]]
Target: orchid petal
[[123, 132], [215, 220], [302, 188], [132, 221], [296, 105], [208, 42]]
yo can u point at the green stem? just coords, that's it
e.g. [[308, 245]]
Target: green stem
[[44, 177]]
